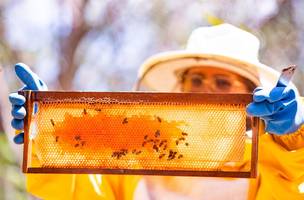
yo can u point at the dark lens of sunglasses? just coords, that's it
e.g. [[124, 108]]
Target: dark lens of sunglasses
[[196, 81]]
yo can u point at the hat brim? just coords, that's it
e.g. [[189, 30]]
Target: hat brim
[[159, 72]]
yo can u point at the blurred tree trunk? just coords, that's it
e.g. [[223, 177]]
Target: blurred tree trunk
[[68, 45], [1, 126]]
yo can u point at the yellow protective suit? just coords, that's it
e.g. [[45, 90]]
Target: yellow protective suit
[[280, 176]]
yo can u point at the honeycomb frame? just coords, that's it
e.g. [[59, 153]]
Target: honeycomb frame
[[133, 98]]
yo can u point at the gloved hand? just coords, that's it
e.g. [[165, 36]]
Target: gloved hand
[[280, 108], [32, 82]]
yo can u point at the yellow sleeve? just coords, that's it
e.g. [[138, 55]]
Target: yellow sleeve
[[65, 186], [280, 167], [80, 186], [291, 141]]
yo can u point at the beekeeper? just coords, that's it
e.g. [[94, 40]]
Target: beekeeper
[[221, 59]]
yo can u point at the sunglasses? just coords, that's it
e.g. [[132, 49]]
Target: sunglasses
[[216, 81]]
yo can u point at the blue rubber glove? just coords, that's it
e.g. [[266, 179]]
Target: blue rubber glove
[[32, 82], [280, 108]]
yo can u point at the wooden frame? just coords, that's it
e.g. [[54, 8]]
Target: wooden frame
[[138, 97]]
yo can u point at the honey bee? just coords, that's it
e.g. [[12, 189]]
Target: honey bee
[[157, 133], [125, 121], [180, 156], [161, 156], [52, 122]]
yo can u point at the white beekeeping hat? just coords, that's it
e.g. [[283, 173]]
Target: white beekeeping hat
[[223, 46]]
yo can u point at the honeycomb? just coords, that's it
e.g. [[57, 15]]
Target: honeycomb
[[86, 134]]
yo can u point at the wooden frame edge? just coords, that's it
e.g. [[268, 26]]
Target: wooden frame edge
[[245, 174], [27, 119], [255, 124]]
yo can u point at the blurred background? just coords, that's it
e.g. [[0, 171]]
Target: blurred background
[[99, 45]]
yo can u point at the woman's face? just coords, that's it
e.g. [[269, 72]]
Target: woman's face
[[214, 80]]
